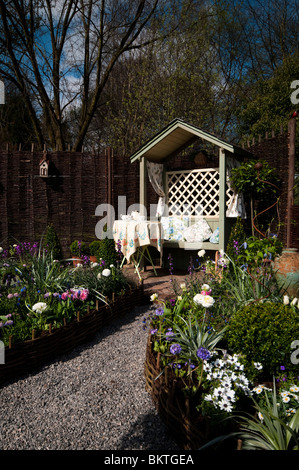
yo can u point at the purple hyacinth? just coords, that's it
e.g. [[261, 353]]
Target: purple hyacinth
[[203, 353], [175, 349], [159, 311]]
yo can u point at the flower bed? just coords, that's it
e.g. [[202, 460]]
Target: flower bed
[[47, 307], [220, 352], [23, 357]]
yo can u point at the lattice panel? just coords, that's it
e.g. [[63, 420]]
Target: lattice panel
[[194, 192]]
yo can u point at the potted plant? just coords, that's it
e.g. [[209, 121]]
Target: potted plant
[[78, 249], [94, 248]]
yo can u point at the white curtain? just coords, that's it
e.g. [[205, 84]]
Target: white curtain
[[155, 174], [236, 207]]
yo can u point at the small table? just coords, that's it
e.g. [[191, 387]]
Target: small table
[[135, 238]]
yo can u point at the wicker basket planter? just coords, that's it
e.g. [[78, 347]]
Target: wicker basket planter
[[23, 357], [185, 424]]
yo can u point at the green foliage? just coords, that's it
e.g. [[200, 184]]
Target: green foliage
[[78, 248], [107, 251], [268, 105], [53, 243], [263, 332], [247, 180], [269, 428], [256, 250], [236, 239], [94, 247]]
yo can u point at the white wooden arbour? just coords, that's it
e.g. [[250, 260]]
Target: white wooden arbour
[[210, 190]]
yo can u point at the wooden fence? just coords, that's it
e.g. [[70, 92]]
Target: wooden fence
[[79, 182]]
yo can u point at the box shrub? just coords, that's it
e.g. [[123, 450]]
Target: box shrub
[[263, 332], [107, 251], [79, 248], [52, 242], [94, 248]]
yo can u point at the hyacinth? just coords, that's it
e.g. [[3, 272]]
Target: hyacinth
[[159, 311], [175, 349], [203, 353]]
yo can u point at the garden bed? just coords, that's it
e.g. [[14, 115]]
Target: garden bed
[[184, 423], [23, 357]]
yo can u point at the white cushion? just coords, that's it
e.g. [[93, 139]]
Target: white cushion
[[198, 232]]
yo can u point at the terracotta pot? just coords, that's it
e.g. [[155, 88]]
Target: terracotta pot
[[287, 271], [76, 260]]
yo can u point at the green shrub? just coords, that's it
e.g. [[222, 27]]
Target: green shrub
[[263, 332], [94, 247], [236, 239], [52, 242], [107, 252], [78, 248]]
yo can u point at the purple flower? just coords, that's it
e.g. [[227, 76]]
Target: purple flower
[[154, 331], [203, 353], [175, 349], [159, 311], [10, 296], [169, 334]]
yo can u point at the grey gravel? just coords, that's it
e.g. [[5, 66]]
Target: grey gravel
[[91, 399]]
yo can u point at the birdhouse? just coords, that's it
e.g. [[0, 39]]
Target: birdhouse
[[44, 168]]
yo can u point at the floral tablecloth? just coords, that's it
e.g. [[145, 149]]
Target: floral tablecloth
[[132, 234]]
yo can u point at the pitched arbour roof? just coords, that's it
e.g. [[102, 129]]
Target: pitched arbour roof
[[178, 135]]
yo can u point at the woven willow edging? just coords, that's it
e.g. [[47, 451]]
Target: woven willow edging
[[23, 357], [185, 424], [188, 428]]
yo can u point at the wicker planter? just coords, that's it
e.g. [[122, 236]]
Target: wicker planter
[[185, 424], [23, 357]]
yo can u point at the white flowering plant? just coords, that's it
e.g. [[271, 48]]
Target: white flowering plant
[[287, 399], [275, 424], [225, 380]]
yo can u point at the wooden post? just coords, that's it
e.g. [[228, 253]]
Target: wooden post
[[291, 162], [222, 199]]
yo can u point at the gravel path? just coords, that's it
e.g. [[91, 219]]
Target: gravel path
[[91, 399]]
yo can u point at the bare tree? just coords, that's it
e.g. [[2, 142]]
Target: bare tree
[[62, 53]]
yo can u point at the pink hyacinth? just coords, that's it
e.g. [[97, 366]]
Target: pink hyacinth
[[206, 292], [84, 294], [64, 296]]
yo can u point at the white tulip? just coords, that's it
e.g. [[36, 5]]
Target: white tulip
[[154, 297], [286, 300]]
